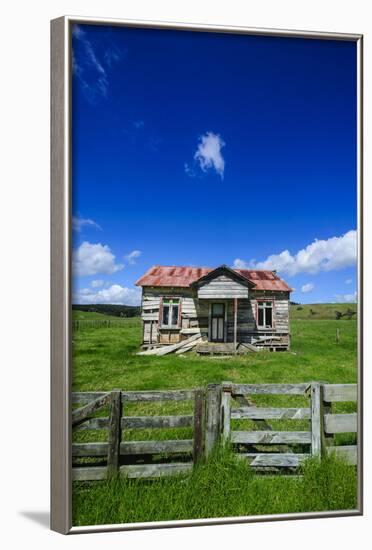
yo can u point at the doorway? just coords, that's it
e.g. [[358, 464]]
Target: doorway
[[217, 322]]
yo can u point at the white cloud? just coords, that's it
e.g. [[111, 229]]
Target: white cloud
[[321, 255], [348, 281], [78, 223], [346, 298], [115, 294], [90, 259], [97, 283], [208, 154], [132, 256], [240, 264], [307, 288]]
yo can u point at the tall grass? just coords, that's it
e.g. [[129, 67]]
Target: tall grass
[[225, 486]]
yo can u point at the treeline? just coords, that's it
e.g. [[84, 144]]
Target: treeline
[[108, 309]]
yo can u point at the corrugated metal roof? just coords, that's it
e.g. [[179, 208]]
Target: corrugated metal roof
[[177, 276]]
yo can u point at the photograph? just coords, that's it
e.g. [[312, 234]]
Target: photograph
[[215, 273]]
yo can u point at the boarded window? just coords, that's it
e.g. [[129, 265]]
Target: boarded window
[[265, 315], [170, 316]]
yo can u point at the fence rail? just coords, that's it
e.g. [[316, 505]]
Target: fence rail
[[216, 408], [81, 324]]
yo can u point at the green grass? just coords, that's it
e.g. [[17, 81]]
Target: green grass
[[223, 487], [106, 358]]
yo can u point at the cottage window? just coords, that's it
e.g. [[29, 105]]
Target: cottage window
[[170, 312], [265, 315]]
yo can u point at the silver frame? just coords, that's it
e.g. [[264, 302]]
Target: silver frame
[[61, 188]]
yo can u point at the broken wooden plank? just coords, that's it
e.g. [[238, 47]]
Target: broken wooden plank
[[174, 347], [187, 348], [280, 460], [78, 415], [265, 338], [96, 473], [257, 413], [270, 437], [164, 350], [251, 347], [156, 470]]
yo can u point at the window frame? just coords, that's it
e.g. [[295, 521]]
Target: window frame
[[171, 302], [260, 302]]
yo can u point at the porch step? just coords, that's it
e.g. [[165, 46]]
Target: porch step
[[216, 348]]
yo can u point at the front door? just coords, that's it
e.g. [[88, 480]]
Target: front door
[[217, 322]]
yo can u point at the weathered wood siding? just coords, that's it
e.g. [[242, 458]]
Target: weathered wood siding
[[195, 313], [281, 308], [223, 287]]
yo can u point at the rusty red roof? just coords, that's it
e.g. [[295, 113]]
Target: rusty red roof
[[177, 276]]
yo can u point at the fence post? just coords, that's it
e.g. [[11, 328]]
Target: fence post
[[226, 411], [213, 417], [199, 419], [114, 436], [317, 420]]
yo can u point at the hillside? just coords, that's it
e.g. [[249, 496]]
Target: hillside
[[297, 311], [323, 311], [107, 309]]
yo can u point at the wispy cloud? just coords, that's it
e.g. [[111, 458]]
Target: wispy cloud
[[97, 283], [138, 124], [321, 255], [91, 259], [307, 288], [348, 281], [208, 155], [115, 294], [78, 223], [89, 66], [132, 256], [346, 298]]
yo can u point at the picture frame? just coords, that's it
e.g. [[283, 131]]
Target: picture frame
[[61, 269]]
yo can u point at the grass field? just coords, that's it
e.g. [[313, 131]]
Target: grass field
[[320, 311], [106, 358]]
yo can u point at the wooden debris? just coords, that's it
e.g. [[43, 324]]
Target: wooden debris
[[164, 350], [251, 347]]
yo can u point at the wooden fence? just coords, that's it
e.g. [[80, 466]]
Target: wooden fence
[[214, 410], [81, 324]]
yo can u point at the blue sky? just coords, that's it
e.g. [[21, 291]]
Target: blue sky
[[203, 149]]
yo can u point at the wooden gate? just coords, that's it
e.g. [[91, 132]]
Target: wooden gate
[[266, 444]]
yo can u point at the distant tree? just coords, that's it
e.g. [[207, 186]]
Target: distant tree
[[349, 313], [338, 315]]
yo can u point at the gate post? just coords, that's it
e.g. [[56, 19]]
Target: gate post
[[226, 411], [213, 417], [114, 435], [199, 419], [317, 420]]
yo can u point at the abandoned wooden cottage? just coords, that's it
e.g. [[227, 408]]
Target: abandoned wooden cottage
[[220, 309]]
